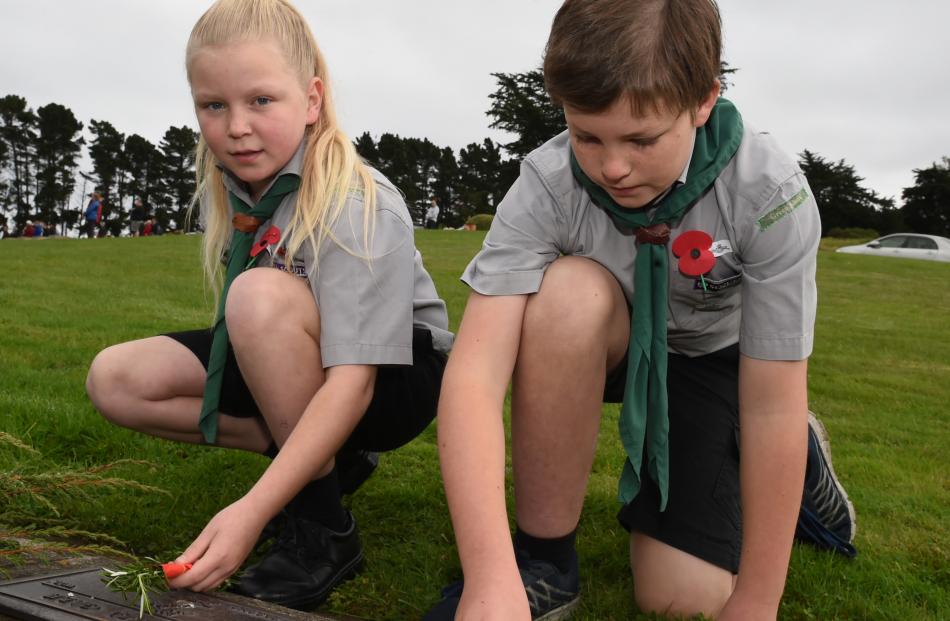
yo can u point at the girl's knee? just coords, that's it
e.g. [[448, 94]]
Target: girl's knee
[[103, 382], [262, 299]]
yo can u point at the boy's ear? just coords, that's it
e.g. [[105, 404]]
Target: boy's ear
[[705, 107], [314, 100]]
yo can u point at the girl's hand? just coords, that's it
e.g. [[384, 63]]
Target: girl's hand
[[220, 549]]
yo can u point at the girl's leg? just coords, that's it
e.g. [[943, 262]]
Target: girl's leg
[[274, 327], [154, 385]]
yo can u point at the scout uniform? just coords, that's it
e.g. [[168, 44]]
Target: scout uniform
[[758, 299], [377, 307]]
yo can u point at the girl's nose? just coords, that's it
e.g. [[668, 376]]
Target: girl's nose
[[238, 125]]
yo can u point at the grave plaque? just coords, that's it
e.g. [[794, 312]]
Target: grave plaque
[[81, 594]]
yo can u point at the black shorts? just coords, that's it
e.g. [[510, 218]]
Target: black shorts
[[703, 513], [404, 397]]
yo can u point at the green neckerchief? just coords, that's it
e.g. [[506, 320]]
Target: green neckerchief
[[644, 417], [241, 243]]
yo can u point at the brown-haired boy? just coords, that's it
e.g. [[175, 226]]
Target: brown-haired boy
[[661, 253]]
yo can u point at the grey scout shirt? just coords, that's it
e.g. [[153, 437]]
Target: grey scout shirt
[[759, 212], [368, 301]]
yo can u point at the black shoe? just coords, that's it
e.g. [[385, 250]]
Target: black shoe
[[826, 518], [306, 562], [354, 467], [552, 594]]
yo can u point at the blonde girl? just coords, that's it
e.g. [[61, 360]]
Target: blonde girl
[[338, 352]]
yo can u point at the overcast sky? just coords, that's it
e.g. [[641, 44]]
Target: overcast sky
[[865, 81]]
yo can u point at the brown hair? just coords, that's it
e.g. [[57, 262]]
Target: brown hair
[[655, 52]]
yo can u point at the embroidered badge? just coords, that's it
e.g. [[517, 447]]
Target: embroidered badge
[[720, 247], [782, 210]]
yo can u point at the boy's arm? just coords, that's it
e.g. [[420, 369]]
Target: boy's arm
[[773, 415], [472, 454]]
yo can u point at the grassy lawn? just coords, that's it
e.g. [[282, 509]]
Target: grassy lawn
[[880, 380]]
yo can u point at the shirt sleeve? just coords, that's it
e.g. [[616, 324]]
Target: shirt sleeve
[[778, 252], [364, 294], [524, 238]]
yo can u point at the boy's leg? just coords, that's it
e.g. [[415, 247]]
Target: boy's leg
[[684, 558], [575, 328]]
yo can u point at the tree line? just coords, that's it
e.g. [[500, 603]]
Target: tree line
[[40, 152]]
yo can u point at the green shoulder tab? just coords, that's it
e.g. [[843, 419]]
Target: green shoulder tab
[[782, 210]]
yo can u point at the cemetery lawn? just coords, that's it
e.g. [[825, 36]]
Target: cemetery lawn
[[879, 380]]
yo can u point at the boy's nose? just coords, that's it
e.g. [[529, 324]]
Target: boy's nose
[[615, 167]]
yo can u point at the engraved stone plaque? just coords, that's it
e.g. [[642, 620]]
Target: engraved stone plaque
[[82, 595]]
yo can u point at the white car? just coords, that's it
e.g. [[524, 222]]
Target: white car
[[905, 245]]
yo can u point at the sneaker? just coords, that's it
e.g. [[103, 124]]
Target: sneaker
[[826, 519], [552, 594], [305, 563]]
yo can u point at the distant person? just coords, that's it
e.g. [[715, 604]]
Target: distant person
[[147, 228], [39, 228], [432, 214], [92, 216], [28, 230], [136, 218]]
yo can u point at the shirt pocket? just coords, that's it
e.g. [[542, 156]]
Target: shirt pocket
[[697, 303]]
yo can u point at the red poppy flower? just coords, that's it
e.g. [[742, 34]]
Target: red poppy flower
[[695, 257], [272, 236], [173, 570]]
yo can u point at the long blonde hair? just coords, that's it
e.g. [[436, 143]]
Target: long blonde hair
[[332, 169]]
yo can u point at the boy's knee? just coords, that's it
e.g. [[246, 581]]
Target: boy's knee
[[673, 583], [576, 292], [685, 603]]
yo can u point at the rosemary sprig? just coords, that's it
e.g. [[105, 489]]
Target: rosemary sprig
[[142, 577]]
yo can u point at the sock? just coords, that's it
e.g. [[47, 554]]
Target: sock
[[321, 501], [558, 551]]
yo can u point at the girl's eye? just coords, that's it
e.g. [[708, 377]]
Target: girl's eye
[[584, 139], [645, 142], [262, 101], [214, 105]]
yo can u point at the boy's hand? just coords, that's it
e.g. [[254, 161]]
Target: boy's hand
[[220, 549], [505, 604], [738, 608]]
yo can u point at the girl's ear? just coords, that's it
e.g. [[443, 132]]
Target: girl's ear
[[314, 100]]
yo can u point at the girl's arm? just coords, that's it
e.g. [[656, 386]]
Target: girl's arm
[[472, 454], [326, 423], [773, 420]]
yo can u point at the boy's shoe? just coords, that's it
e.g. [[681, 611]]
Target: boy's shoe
[[826, 518], [552, 594], [305, 563]]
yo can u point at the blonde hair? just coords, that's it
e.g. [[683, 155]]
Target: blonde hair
[[332, 169]]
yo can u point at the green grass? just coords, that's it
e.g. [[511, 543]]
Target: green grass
[[879, 378]]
